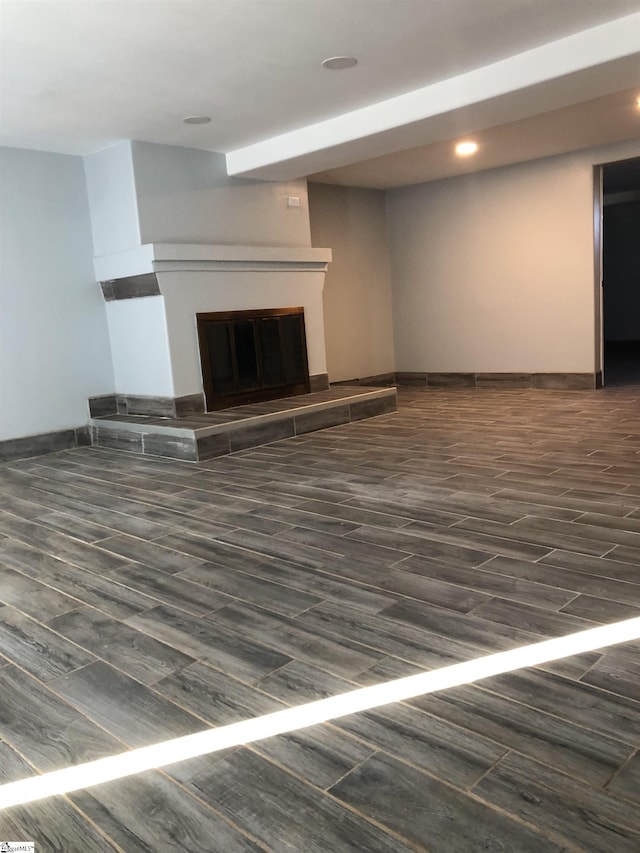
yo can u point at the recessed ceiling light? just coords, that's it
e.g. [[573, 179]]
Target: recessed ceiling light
[[339, 63], [197, 120], [464, 149]]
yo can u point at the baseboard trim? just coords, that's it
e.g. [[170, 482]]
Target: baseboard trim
[[319, 382], [565, 381], [541, 381], [106, 404], [43, 443], [380, 380], [129, 404], [161, 407]]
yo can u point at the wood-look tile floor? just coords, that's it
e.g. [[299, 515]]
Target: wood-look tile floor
[[144, 599]]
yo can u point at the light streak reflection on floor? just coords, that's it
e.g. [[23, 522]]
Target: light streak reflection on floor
[[291, 719]]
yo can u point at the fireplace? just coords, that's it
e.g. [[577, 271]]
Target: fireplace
[[160, 357], [251, 356]]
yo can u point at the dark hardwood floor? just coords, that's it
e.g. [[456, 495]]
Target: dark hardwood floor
[[144, 599]]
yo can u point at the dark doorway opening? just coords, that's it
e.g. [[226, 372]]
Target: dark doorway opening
[[621, 272], [251, 356]]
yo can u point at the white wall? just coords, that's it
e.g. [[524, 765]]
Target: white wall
[[357, 293], [186, 196], [493, 272], [54, 348], [145, 193], [112, 199], [138, 335]]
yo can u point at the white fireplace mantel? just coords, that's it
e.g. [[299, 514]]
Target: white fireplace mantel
[[198, 257]]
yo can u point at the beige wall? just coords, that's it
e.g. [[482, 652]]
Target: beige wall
[[494, 271], [357, 291]]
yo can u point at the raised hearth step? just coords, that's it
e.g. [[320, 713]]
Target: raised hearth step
[[204, 436]]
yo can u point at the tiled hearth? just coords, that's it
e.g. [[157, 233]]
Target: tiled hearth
[[203, 436]]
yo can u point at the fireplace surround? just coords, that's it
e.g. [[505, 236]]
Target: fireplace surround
[[154, 293]]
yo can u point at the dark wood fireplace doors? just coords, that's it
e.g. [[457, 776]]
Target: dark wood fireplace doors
[[250, 356]]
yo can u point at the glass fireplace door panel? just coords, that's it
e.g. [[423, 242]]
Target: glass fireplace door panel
[[271, 352], [293, 343], [219, 342], [248, 356]]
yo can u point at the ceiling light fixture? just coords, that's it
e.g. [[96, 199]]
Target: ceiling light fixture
[[339, 63], [197, 120], [464, 149]]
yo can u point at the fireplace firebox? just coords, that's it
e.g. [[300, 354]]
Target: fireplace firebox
[[250, 356]]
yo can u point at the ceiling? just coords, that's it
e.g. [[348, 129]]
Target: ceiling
[[76, 77], [613, 118]]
